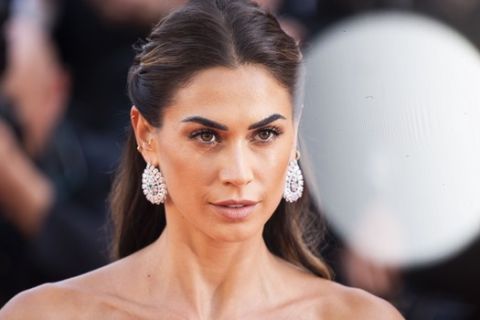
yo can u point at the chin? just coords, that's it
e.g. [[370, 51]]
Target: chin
[[236, 233]]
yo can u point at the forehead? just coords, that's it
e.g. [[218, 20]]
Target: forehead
[[247, 92]]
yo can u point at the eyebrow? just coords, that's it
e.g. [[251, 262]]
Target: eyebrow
[[213, 124], [266, 121], [206, 122]]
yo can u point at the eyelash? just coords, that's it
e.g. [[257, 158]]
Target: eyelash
[[196, 135], [272, 130]]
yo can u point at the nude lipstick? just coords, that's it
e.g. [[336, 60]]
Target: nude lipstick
[[235, 209]]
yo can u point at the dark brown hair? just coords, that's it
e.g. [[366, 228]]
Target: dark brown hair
[[201, 35]]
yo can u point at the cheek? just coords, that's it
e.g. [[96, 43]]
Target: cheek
[[273, 170], [186, 173], [275, 165]]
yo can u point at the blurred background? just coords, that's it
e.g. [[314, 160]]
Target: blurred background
[[64, 110]]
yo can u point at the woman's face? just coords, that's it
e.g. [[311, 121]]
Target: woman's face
[[224, 148]]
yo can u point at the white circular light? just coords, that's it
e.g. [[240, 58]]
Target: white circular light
[[391, 126]]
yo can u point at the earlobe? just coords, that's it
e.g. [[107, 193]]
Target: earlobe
[[143, 133], [294, 153], [145, 146]]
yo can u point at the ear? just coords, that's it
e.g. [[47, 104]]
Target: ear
[[144, 134]]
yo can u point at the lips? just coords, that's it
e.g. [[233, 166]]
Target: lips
[[235, 209]]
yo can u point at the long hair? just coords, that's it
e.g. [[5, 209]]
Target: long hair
[[201, 35]]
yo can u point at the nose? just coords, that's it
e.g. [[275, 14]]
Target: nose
[[237, 166]]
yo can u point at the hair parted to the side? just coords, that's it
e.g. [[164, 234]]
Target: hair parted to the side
[[201, 35]]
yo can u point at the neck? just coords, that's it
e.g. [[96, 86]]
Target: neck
[[215, 280]]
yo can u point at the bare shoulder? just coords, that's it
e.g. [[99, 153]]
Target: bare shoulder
[[86, 294], [49, 301], [336, 301]]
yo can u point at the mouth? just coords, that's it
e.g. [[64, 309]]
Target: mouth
[[235, 210]]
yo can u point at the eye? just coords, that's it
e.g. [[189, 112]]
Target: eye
[[267, 134], [205, 136], [208, 137]]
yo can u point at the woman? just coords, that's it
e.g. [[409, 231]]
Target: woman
[[201, 230]]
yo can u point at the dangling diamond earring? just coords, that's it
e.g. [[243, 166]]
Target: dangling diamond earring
[[153, 185], [294, 182]]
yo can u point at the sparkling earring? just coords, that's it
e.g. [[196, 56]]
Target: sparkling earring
[[153, 185], [294, 182]]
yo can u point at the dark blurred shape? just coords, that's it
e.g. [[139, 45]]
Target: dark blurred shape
[[79, 157], [4, 13]]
